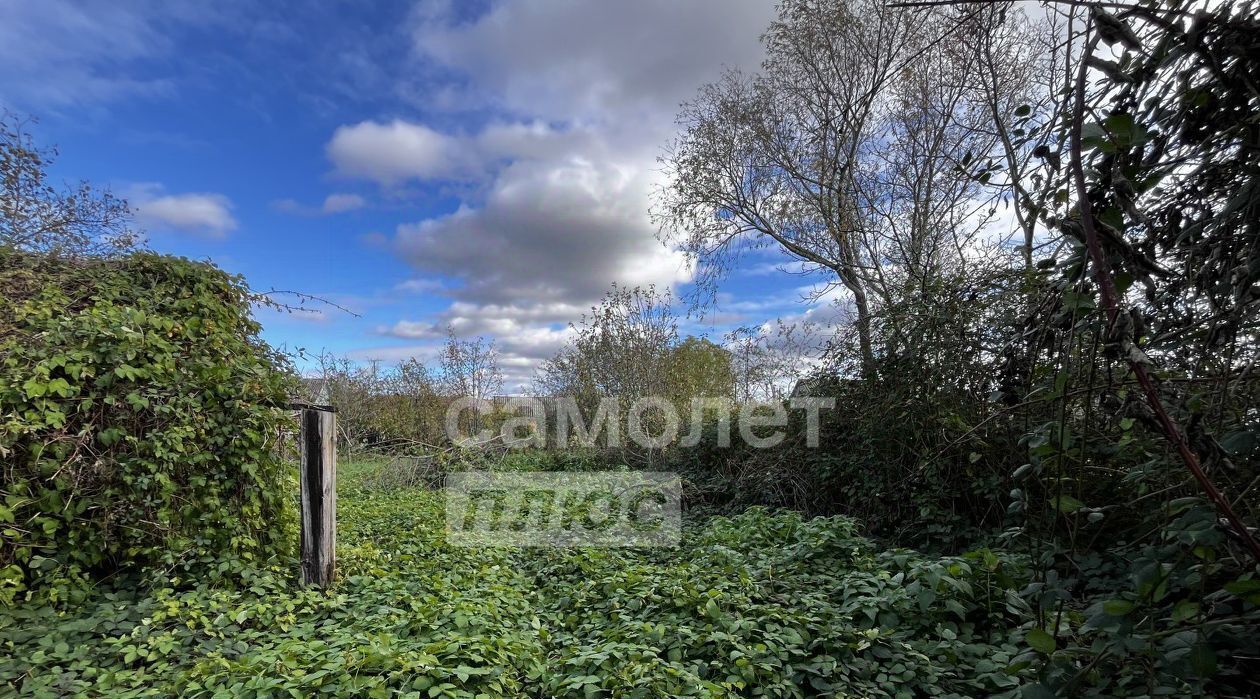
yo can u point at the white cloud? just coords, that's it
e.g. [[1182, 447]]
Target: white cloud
[[335, 203], [567, 106], [471, 319], [199, 213], [397, 151], [338, 203], [418, 286], [524, 334], [397, 353], [600, 62], [547, 232]]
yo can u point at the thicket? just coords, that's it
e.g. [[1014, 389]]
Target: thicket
[[140, 414], [1088, 399], [403, 408], [758, 604]]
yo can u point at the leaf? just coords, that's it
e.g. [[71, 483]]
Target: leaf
[[1203, 660], [1236, 443], [34, 388], [110, 436], [711, 610], [1109, 68], [1041, 641], [1066, 504], [1093, 135], [1185, 610], [1117, 607], [1242, 588]]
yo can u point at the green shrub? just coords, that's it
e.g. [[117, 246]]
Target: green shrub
[[760, 604], [136, 423]]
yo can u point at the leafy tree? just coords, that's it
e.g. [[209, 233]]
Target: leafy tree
[[469, 368], [848, 151], [38, 217], [698, 368], [620, 349]]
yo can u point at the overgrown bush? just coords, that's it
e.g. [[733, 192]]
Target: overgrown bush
[[916, 462], [760, 604], [137, 423]]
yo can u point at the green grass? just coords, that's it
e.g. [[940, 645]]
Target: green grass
[[756, 605]]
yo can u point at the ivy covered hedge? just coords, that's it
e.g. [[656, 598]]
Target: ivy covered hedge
[[135, 424]]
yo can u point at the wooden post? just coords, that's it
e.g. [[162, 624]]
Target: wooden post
[[319, 495]]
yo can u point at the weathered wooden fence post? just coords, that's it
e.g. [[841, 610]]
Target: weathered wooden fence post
[[319, 495]]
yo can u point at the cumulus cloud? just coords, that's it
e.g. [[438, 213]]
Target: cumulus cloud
[[470, 319], [604, 62], [521, 344], [547, 233], [199, 213], [396, 151], [525, 335], [566, 113]]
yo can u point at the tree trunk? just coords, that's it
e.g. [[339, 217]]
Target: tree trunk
[[863, 328]]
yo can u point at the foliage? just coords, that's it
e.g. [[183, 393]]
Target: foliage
[[383, 408], [996, 394], [847, 152], [628, 348], [917, 449], [139, 421], [36, 216], [699, 368], [759, 604], [1144, 337], [404, 408], [621, 348], [469, 368]]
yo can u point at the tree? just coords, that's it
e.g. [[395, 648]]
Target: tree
[[1019, 67], [698, 368], [354, 390], [469, 368], [765, 361], [37, 217], [620, 349], [1165, 174], [410, 410], [628, 348], [848, 151]]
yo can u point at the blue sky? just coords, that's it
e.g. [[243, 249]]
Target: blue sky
[[487, 165]]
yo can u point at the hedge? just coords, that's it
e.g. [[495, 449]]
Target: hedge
[[137, 424]]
